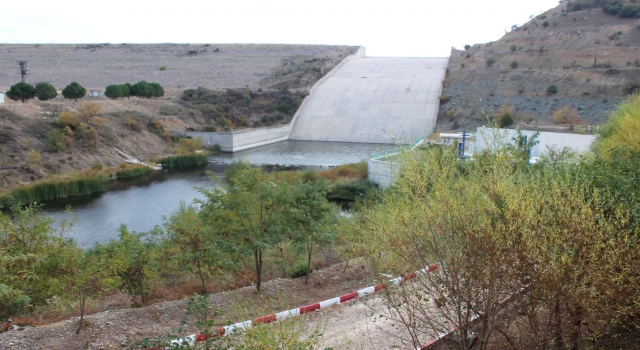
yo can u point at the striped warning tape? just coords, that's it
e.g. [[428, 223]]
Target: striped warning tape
[[240, 326]]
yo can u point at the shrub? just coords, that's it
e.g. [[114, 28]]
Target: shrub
[[163, 67], [74, 91], [299, 270], [444, 98], [56, 140], [96, 166], [131, 124], [45, 91], [156, 127], [613, 10], [88, 110], [545, 24], [514, 64], [309, 175], [190, 144], [541, 49], [506, 120], [467, 47], [247, 98], [566, 115], [552, 90], [68, 119], [490, 61], [98, 122], [514, 48], [630, 87], [34, 158]]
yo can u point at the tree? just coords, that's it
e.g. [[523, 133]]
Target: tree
[[313, 221], [251, 214], [158, 91], [142, 89], [74, 91], [514, 64], [126, 90], [21, 91], [45, 91], [114, 91]]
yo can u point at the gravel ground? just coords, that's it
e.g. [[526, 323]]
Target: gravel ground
[[214, 66]]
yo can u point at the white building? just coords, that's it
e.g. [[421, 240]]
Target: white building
[[488, 138], [1, 96], [95, 93]]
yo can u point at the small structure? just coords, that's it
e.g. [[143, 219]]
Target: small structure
[[95, 93], [1, 96]]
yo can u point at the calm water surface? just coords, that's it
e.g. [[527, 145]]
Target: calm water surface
[[141, 203]]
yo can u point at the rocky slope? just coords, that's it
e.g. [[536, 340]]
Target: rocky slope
[[593, 59]]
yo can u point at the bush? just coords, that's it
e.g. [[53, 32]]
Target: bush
[[552, 90], [96, 166], [467, 47], [56, 141], [131, 124], [247, 98], [630, 87], [567, 115], [514, 64], [45, 91], [74, 91], [163, 67], [490, 61], [545, 24], [514, 48], [506, 120], [444, 98], [34, 158], [614, 10], [68, 119], [309, 175], [299, 270]]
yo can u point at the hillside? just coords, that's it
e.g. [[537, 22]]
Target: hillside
[[205, 90], [593, 58]]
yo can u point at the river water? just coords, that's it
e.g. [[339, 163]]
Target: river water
[[141, 203]]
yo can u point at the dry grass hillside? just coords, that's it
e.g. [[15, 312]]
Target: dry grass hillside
[[216, 78], [591, 57]]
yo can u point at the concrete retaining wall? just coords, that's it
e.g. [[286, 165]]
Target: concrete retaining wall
[[382, 173], [245, 139]]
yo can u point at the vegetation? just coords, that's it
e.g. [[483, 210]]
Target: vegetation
[[52, 189], [45, 91], [182, 161], [146, 90], [114, 91], [514, 64], [132, 172], [566, 115], [552, 90], [74, 91], [21, 91], [490, 61]]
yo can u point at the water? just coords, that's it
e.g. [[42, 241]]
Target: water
[[141, 203]]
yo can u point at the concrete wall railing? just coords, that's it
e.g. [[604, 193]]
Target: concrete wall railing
[[245, 139]]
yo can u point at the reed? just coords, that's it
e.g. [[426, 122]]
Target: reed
[[53, 189], [132, 172], [182, 161]]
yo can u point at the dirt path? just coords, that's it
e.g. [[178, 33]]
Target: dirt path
[[349, 326]]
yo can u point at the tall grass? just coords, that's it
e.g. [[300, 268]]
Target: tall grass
[[184, 160], [52, 189], [132, 172], [346, 171]]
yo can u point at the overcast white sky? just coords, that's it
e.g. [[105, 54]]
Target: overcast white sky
[[385, 27]]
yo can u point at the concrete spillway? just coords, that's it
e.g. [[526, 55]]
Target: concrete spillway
[[373, 100]]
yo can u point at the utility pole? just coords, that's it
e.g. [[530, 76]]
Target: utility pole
[[23, 69]]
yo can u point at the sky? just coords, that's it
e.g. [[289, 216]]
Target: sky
[[422, 28]]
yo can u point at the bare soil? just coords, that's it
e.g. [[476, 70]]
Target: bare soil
[[347, 325], [587, 55]]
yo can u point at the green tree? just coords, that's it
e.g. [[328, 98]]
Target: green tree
[[142, 89], [46, 91], [198, 247], [252, 213], [126, 90], [56, 140], [74, 91], [114, 91], [21, 91], [312, 219], [158, 91]]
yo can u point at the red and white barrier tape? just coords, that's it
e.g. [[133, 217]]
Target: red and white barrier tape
[[192, 339]]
